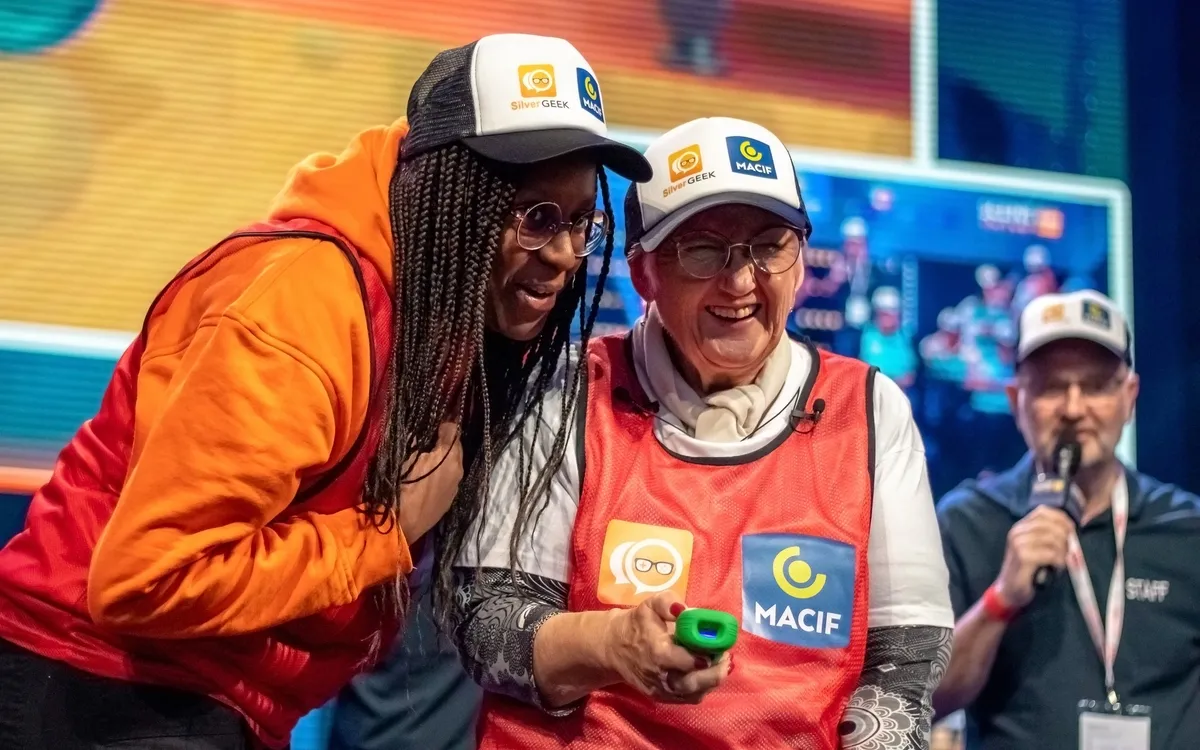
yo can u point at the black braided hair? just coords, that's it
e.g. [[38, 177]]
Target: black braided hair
[[535, 491], [449, 208]]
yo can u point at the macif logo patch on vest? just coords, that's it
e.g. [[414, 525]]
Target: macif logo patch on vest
[[798, 589]]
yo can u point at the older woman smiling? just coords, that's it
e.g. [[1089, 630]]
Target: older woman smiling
[[716, 463]]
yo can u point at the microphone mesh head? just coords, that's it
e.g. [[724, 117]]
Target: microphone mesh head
[[1067, 454]]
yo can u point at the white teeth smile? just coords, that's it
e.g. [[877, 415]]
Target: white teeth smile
[[537, 293], [732, 313]]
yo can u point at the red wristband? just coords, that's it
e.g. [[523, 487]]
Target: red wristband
[[996, 607]]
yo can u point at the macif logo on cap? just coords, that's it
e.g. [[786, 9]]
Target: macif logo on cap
[[750, 156], [589, 94], [1096, 314], [537, 81]]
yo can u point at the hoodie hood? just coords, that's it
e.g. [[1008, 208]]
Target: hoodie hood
[[349, 192]]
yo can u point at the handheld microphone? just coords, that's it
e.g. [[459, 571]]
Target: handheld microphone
[[1067, 454], [1055, 491]]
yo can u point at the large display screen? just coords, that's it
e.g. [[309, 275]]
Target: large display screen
[[135, 133]]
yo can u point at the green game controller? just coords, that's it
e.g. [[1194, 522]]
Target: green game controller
[[708, 632]]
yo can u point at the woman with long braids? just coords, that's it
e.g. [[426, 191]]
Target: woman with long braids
[[226, 542]]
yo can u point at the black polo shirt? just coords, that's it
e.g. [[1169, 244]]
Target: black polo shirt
[[1047, 662]]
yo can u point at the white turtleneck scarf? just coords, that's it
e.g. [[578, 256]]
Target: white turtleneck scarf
[[722, 417]]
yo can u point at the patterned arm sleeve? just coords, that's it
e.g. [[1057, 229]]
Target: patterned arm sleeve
[[893, 705], [495, 636]]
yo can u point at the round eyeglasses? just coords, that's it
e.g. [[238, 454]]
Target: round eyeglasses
[[704, 254], [538, 224]]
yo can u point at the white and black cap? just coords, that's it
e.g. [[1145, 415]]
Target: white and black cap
[[517, 99], [711, 162], [1086, 315]]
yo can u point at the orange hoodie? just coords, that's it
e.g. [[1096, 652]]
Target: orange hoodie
[[170, 514], [254, 378]]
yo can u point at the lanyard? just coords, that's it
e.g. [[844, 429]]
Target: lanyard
[[1106, 636]]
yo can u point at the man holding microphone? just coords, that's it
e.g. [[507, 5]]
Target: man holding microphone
[[1077, 597]]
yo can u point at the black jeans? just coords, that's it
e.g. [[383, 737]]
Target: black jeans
[[48, 705]]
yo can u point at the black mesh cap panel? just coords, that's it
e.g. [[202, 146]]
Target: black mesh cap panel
[[634, 228], [441, 106], [807, 225]]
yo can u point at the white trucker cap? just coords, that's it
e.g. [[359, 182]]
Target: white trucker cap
[[710, 162], [518, 99], [1086, 315]]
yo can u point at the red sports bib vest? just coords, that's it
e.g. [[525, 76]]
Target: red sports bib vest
[[274, 677], [778, 539]]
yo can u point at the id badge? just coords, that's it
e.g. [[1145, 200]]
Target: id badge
[[1120, 727]]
